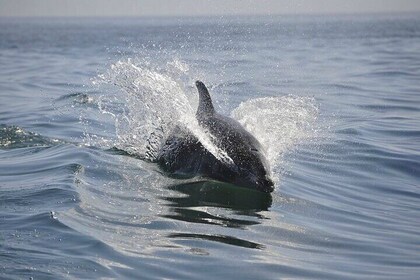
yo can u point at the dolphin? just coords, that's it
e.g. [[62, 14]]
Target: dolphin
[[183, 156]]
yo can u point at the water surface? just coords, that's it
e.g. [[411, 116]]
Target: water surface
[[334, 100]]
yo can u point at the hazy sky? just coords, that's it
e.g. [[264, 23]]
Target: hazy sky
[[199, 7]]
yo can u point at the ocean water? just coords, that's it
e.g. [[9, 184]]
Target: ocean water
[[85, 103]]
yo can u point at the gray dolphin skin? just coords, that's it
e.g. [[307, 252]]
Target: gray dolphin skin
[[183, 156]]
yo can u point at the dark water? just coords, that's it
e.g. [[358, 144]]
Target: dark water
[[347, 199]]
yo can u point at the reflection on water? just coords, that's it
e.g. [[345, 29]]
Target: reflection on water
[[218, 238], [208, 193], [215, 203]]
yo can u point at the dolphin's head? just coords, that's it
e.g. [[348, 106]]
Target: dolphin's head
[[253, 171]]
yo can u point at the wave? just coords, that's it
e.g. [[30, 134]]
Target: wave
[[12, 137]]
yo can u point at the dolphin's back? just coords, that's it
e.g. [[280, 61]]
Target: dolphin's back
[[182, 155], [225, 130], [229, 134]]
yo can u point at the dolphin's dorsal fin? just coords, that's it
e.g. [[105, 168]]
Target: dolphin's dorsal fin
[[205, 106]]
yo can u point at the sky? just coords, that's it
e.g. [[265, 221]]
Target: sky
[[105, 8]]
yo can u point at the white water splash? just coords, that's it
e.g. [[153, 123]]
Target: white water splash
[[279, 123], [149, 103]]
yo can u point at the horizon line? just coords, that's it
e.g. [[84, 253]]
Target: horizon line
[[361, 13]]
